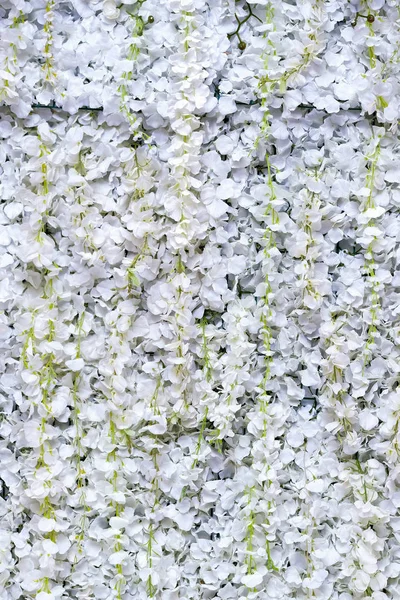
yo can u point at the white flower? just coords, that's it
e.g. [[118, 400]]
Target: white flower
[[253, 580], [368, 420], [360, 581]]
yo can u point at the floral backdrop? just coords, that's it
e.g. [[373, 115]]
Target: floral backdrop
[[199, 299]]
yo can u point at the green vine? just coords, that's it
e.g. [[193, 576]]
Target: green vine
[[240, 23]]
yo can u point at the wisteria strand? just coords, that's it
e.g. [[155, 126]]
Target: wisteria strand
[[199, 300]]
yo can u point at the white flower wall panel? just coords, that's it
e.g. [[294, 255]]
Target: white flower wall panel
[[199, 300]]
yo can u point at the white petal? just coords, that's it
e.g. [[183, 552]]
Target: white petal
[[252, 580], [368, 420], [76, 364]]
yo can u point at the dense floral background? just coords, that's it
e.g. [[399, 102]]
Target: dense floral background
[[199, 299]]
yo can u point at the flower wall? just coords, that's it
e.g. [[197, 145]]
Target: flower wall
[[199, 299]]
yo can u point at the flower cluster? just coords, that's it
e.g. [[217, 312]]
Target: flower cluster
[[199, 300]]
